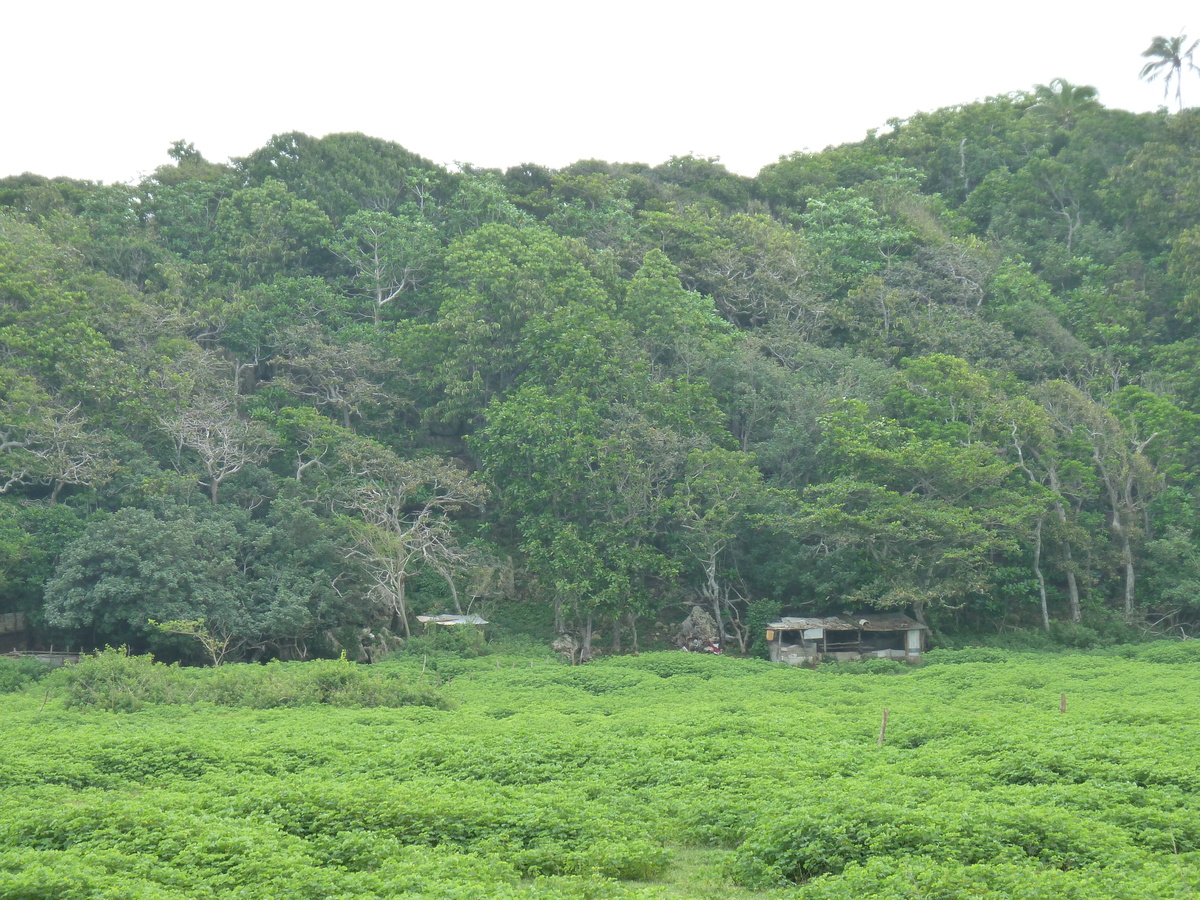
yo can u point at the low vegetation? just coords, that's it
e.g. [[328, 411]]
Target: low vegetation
[[664, 775]]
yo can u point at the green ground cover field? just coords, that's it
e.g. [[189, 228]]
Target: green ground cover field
[[665, 775]]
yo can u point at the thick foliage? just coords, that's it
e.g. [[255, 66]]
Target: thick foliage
[[951, 367], [17, 673], [551, 781], [113, 680]]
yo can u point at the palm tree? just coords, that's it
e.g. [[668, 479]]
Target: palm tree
[[1064, 102], [1169, 58]]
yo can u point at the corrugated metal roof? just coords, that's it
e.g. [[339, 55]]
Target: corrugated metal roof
[[888, 622], [873, 622], [829, 623], [452, 620]]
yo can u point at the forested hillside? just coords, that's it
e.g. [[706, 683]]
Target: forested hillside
[[950, 369]]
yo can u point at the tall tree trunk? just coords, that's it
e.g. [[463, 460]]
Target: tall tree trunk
[[401, 605], [1072, 585], [378, 305], [1119, 528], [918, 608], [585, 652], [1037, 570], [1129, 496], [712, 591], [1069, 562], [1127, 559], [454, 592]]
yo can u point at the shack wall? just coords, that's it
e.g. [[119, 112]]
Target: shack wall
[[804, 641]]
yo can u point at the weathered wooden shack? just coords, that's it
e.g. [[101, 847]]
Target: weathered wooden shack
[[798, 641]]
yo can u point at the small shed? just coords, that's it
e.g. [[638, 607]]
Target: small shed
[[795, 640], [451, 620]]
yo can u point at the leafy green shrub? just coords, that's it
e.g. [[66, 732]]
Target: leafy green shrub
[[966, 655], [824, 840], [521, 646], [465, 641], [1025, 640], [870, 667], [114, 680], [597, 679], [1169, 652], [760, 614], [834, 833], [539, 835], [917, 878], [16, 673], [333, 682], [1075, 635], [1110, 625], [440, 667], [669, 663], [725, 825]]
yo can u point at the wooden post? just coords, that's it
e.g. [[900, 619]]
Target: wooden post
[[883, 726], [1062, 703]]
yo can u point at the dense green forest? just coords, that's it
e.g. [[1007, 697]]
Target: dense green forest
[[293, 400]]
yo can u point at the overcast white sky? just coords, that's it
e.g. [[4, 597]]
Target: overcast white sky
[[100, 90]]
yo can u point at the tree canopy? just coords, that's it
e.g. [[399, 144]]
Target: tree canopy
[[313, 392]]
